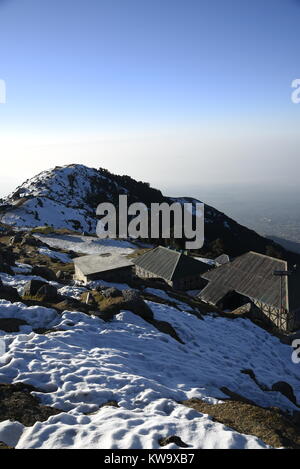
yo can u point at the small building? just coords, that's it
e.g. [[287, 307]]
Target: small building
[[250, 278], [109, 267], [179, 271]]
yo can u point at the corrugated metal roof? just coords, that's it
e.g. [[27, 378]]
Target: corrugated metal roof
[[94, 264], [251, 275], [169, 264]]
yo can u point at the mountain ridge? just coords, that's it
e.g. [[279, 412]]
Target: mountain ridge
[[67, 197]]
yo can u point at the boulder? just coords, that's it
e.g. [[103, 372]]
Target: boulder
[[47, 293], [134, 302], [9, 293], [6, 269], [11, 324], [29, 240], [17, 238], [7, 256], [32, 287], [172, 439], [131, 295], [111, 292], [44, 272]]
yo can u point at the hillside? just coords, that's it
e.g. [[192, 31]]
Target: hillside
[[110, 365], [130, 377], [67, 197]]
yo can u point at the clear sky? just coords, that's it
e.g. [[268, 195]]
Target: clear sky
[[176, 92]]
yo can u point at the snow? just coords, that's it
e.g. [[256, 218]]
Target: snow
[[119, 428], [22, 268], [87, 362], [56, 214], [87, 244], [72, 291], [18, 281], [59, 197], [193, 293], [10, 432], [205, 260], [35, 316], [59, 256], [163, 295]]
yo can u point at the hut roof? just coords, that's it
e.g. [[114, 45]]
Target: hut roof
[[169, 264], [251, 275], [94, 264]]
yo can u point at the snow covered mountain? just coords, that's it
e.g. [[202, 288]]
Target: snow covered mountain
[[67, 197], [81, 368]]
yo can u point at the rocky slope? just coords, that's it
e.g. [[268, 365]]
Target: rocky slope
[[110, 365]]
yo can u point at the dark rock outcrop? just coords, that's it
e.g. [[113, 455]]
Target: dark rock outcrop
[[9, 293], [173, 439], [111, 292], [32, 287], [47, 293], [44, 272], [11, 324]]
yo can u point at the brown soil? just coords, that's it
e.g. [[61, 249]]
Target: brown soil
[[18, 404], [270, 425]]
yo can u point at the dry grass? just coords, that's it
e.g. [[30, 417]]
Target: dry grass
[[18, 404], [270, 425]]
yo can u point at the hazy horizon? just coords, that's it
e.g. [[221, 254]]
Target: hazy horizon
[[174, 93]]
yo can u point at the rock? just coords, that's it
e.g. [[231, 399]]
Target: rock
[[17, 238], [111, 292], [105, 315], [172, 439], [7, 256], [110, 404], [60, 275], [47, 293], [6, 269], [44, 272], [131, 295], [285, 389], [134, 302], [166, 328], [29, 240], [32, 286], [11, 324], [9, 294]]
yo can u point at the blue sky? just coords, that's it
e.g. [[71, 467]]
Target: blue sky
[[174, 91]]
